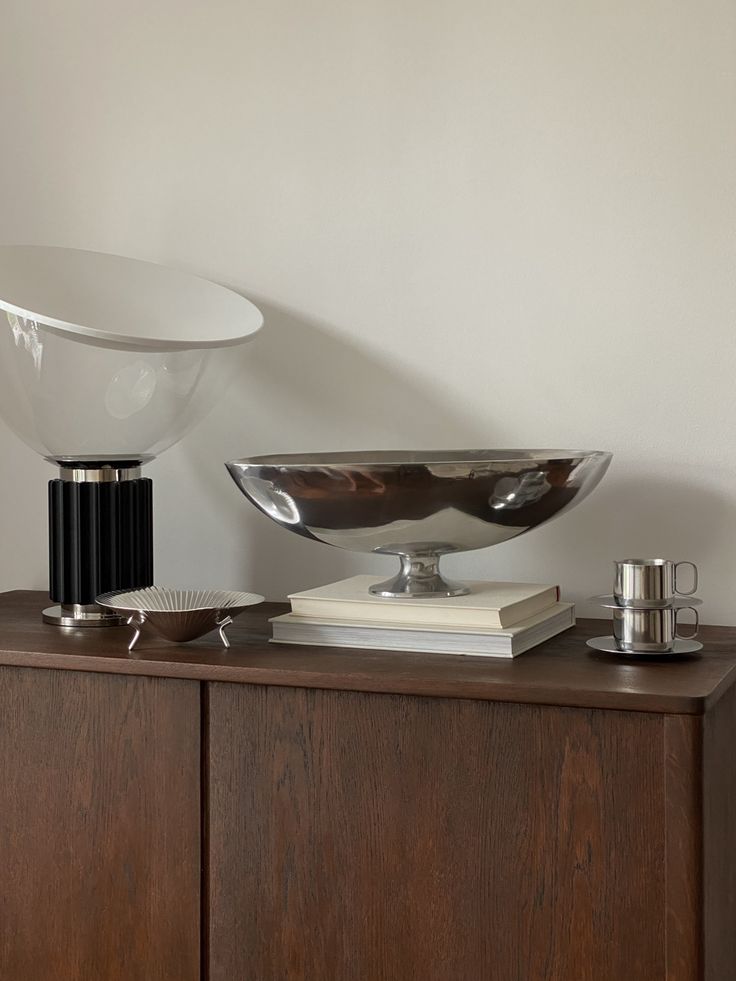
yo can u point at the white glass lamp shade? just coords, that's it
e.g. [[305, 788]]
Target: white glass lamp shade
[[108, 358]]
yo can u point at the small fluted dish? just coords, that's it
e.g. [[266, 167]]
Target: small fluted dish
[[179, 615], [418, 506]]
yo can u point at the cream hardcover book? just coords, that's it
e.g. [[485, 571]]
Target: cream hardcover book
[[495, 642], [489, 604]]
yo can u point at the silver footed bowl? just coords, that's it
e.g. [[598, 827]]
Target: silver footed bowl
[[418, 505], [179, 614]]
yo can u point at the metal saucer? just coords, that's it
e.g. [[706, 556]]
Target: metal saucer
[[676, 603], [609, 646]]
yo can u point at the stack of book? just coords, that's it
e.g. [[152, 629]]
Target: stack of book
[[500, 619]]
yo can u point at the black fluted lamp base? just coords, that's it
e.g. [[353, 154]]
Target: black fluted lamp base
[[100, 539]]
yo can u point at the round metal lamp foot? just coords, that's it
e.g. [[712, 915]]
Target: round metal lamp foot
[[419, 577], [77, 615]]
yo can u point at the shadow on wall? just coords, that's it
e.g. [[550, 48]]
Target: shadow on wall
[[631, 514], [650, 516], [302, 387]]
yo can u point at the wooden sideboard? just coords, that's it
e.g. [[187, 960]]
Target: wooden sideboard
[[302, 814]]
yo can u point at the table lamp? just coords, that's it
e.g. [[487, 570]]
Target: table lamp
[[106, 361]]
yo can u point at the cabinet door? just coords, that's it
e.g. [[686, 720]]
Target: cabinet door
[[99, 827], [362, 837]]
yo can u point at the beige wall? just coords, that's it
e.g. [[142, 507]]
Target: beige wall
[[468, 223]]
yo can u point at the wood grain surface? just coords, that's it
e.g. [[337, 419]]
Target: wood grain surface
[[562, 671], [359, 837], [683, 772], [719, 815], [99, 827]]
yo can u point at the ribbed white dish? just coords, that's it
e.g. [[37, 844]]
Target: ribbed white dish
[[179, 614]]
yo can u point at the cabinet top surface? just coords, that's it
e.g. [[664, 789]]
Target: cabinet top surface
[[562, 671]]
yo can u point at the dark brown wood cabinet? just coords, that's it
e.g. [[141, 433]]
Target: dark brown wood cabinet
[[299, 814], [99, 827]]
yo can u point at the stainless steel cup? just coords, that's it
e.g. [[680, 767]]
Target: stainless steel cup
[[649, 631], [649, 583]]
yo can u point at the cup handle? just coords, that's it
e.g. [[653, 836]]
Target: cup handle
[[687, 592], [696, 625]]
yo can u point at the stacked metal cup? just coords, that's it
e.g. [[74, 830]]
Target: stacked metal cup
[[647, 601]]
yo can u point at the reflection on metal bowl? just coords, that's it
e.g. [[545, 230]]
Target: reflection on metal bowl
[[418, 505]]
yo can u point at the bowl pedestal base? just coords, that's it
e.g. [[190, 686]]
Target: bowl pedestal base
[[419, 577]]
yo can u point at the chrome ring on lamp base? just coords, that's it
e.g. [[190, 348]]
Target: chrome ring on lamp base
[[81, 615], [100, 539]]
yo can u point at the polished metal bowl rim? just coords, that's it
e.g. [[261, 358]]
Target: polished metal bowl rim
[[407, 458], [105, 598]]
